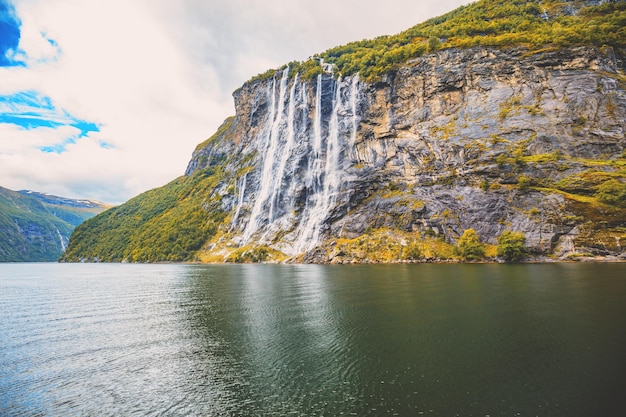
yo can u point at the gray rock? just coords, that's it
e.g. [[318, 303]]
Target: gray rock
[[440, 143]]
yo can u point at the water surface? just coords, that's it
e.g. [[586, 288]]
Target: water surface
[[310, 340]]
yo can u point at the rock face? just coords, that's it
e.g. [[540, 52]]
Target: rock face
[[478, 138]]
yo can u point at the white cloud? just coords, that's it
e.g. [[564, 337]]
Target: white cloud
[[157, 78]]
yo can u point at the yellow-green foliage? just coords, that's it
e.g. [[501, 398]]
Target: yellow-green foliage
[[255, 254], [523, 182], [382, 245], [570, 196], [390, 245], [602, 181], [436, 248], [469, 246], [165, 224], [511, 104], [603, 225], [392, 190], [511, 246], [263, 76], [611, 238], [543, 158], [583, 183], [496, 23], [612, 192]]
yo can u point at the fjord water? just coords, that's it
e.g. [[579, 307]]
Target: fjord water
[[310, 340]]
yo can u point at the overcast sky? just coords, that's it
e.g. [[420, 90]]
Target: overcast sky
[[107, 99]]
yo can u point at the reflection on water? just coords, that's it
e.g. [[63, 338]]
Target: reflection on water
[[247, 340]]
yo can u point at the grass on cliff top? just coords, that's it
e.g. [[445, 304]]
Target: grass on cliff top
[[495, 23]]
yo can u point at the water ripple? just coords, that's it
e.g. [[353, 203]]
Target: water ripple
[[268, 340]]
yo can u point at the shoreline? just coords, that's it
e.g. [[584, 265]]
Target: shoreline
[[542, 260]]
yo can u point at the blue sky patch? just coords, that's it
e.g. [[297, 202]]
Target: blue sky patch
[[52, 42], [31, 110], [26, 99], [106, 145], [10, 33], [57, 148]]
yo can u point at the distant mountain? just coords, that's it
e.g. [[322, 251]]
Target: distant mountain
[[36, 227]]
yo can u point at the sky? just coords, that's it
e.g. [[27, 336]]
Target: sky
[[107, 99]]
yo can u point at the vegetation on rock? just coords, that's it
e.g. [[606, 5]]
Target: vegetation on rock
[[165, 224], [469, 246], [493, 23], [612, 192], [511, 246]]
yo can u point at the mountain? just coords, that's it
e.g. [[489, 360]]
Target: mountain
[[36, 227], [495, 130]]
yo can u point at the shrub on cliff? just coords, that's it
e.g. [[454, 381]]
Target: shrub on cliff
[[470, 247], [612, 192], [511, 246], [249, 255], [412, 252]]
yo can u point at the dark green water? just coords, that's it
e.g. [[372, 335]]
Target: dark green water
[[308, 340]]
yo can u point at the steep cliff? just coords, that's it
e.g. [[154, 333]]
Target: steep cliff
[[478, 138], [321, 167]]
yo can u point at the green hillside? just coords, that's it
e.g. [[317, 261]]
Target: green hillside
[[36, 227], [165, 224]]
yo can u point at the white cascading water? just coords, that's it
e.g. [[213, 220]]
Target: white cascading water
[[242, 192], [63, 245], [327, 168], [269, 156], [317, 125], [300, 159], [286, 151], [331, 181], [354, 98], [313, 174]]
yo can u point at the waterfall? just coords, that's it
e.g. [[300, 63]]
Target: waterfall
[[325, 172], [332, 172], [271, 142], [313, 176], [354, 98], [63, 245], [317, 121], [303, 158], [285, 151], [242, 191]]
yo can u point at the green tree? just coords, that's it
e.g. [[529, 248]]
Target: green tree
[[511, 246], [469, 246]]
